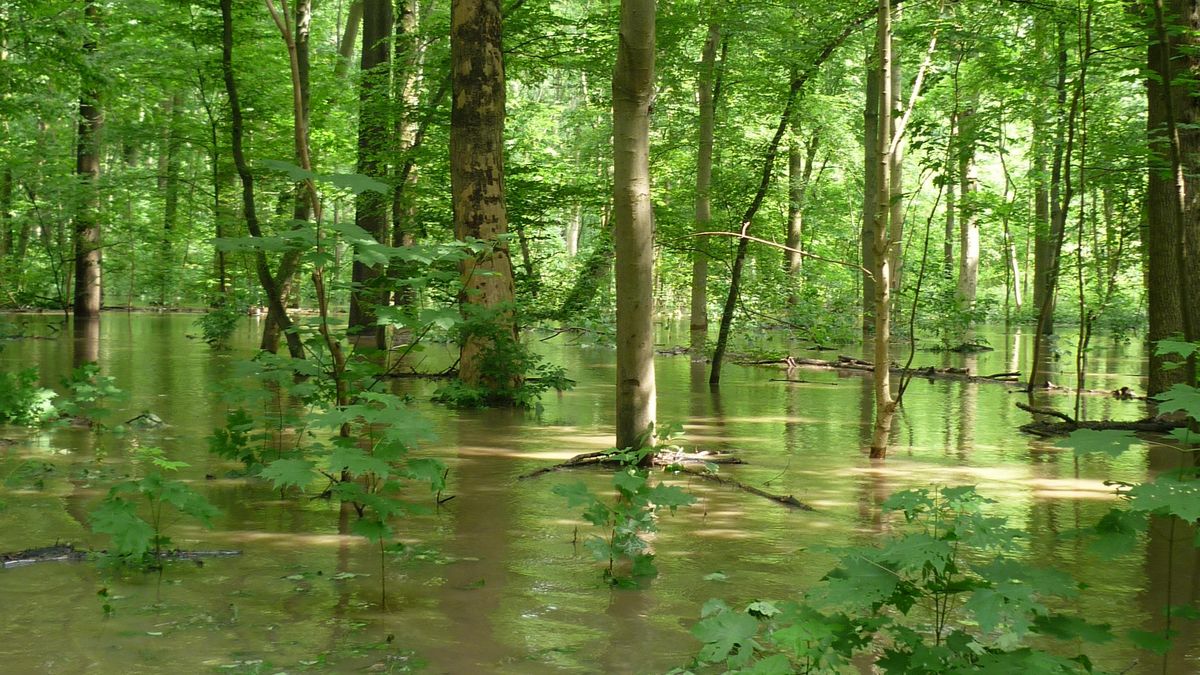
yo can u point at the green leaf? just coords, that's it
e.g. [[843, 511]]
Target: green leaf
[[428, 470], [294, 172], [725, 633], [776, 664], [669, 496], [575, 493], [354, 459], [762, 609], [1159, 643], [628, 481], [1180, 397], [372, 529], [1091, 441], [1167, 347], [285, 472], [118, 518], [357, 183], [1168, 494], [716, 576], [1066, 627]]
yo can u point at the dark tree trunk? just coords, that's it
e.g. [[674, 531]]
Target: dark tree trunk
[[374, 134]]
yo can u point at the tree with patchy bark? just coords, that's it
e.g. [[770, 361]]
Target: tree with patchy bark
[[477, 182]]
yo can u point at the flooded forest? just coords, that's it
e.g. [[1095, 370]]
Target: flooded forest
[[599, 336]]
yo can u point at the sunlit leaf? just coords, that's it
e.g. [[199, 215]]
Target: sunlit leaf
[[1092, 441], [285, 472], [1167, 493], [1180, 397]]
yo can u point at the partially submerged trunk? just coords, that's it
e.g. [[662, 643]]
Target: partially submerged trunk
[[633, 231], [699, 304]]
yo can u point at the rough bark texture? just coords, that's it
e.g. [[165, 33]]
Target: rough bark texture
[[1042, 248], [633, 233], [374, 131], [896, 174], [699, 307], [800, 168], [477, 169], [1167, 280], [87, 168], [170, 179]]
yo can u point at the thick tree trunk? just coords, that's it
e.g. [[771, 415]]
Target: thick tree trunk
[[633, 233], [477, 173], [407, 59], [699, 305], [1173, 245], [374, 134], [87, 167]]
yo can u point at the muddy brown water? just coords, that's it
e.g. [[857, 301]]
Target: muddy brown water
[[506, 587]]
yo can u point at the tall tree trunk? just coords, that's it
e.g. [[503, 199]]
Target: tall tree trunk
[[633, 233], [374, 134], [800, 168], [249, 210], [349, 37], [1173, 241], [6, 202], [950, 186], [87, 167], [968, 221], [896, 174], [885, 405], [699, 307], [170, 180], [477, 175], [871, 151], [407, 60]]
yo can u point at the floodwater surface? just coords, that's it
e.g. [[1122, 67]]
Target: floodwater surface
[[501, 582]]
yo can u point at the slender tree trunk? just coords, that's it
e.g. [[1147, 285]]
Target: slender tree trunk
[[968, 222], [374, 134], [87, 167], [800, 169], [871, 151], [885, 406], [896, 174], [477, 175], [170, 194], [6, 214], [407, 59], [349, 37], [249, 210], [699, 307], [633, 234]]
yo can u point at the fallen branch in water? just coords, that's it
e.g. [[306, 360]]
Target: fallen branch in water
[[68, 553], [1050, 429], [786, 500], [1049, 412], [607, 458], [691, 463]]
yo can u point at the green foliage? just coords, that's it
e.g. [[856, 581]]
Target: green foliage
[[950, 594], [88, 392], [221, 320], [22, 401], [626, 519], [134, 512], [511, 373]]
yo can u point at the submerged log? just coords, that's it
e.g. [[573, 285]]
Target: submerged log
[[1047, 429], [68, 553]]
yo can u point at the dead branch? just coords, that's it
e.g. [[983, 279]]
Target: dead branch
[[1049, 412], [786, 500]]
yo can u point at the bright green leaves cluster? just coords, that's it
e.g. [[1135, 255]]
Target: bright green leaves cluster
[[22, 401], [952, 593], [626, 519], [134, 512]]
